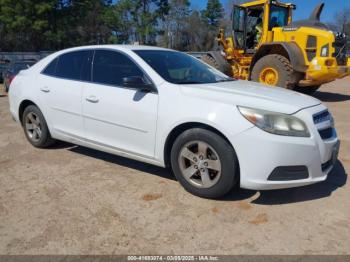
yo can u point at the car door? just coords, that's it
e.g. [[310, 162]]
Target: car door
[[114, 116], [61, 86]]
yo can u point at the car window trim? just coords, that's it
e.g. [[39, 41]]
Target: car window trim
[[154, 91], [80, 73], [58, 59], [42, 71]]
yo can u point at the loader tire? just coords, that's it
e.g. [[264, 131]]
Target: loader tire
[[275, 70], [224, 68]]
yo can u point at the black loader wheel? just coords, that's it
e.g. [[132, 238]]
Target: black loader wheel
[[222, 66], [275, 70]]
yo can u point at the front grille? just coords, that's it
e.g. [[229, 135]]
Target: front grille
[[326, 133], [325, 130], [311, 41], [289, 173], [311, 54], [322, 117], [311, 47]]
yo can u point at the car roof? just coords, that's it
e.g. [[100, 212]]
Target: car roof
[[118, 47]]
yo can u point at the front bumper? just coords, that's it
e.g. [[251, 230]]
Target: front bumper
[[260, 153]]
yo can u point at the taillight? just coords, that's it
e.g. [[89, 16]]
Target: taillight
[[11, 78]]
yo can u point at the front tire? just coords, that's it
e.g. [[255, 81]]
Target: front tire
[[275, 70], [204, 163], [35, 127]]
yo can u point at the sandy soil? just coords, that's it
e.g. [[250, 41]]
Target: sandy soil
[[74, 200]]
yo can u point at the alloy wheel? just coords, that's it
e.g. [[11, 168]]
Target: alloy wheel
[[200, 164], [33, 127]]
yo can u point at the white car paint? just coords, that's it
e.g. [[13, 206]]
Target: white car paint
[[124, 122]]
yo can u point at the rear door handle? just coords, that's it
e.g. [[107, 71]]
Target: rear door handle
[[45, 89], [92, 99]]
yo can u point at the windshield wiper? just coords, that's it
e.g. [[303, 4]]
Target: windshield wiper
[[227, 80], [198, 82], [189, 82]]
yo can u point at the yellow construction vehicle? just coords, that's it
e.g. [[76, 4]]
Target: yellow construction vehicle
[[267, 46]]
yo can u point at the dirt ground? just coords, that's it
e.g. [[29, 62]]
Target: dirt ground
[[74, 200]]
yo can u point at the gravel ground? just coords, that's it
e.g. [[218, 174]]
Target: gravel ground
[[74, 200]]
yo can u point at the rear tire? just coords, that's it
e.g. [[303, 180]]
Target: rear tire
[[224, 68], [270, 65], [35, 128], [204, 163]]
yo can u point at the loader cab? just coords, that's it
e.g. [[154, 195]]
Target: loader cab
[[252, 24]]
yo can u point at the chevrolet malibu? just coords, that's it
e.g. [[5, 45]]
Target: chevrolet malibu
[[169, 109]]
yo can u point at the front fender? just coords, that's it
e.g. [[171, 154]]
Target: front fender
[[222, 120], [291, 50]]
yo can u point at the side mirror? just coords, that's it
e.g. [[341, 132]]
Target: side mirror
[[137, 82]]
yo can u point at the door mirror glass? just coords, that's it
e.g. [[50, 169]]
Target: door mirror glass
[[137, 82]]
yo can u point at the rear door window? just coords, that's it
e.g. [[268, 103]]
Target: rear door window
[[73, 65], [50, 70]]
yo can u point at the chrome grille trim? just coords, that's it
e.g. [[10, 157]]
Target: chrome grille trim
[[325, 124], [322, 116]]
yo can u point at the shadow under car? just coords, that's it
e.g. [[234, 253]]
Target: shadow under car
[[337, 178]]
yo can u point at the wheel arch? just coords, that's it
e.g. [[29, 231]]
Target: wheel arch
[[289, 50], [23, 105], [179, 129]]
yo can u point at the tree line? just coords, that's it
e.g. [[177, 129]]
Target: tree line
[[36, 25]]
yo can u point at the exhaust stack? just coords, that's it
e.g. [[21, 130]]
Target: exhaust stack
[[313, 20], [316, 14]]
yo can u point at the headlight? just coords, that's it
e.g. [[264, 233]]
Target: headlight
[[275, 123]]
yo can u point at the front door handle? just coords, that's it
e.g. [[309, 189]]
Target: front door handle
[[92, 99], [45, 89]]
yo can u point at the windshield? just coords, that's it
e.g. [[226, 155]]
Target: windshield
[[179, 68], [278, 16]]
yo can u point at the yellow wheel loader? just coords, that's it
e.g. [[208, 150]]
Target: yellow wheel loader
[[267, 46]]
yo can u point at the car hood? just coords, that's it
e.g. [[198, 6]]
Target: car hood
[[250, 94]]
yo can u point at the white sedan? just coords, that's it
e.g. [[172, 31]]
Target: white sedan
[[169, 109]]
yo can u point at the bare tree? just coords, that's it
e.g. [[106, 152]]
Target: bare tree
[[342, 21], [174, 25]]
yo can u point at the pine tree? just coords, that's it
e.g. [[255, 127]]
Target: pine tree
[[213, 13]]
